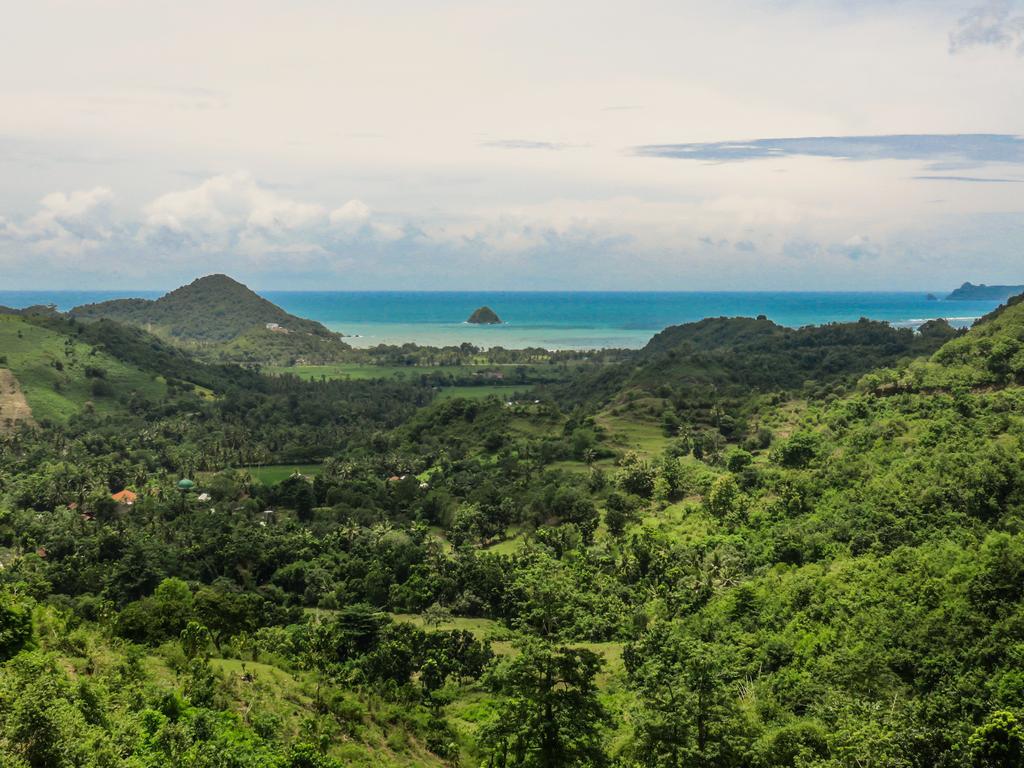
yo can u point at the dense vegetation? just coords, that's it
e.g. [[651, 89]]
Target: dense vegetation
[[742, 546]]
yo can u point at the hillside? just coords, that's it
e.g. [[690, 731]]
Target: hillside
[[719, 361], [60, 375], [220, 318], [757, 353]]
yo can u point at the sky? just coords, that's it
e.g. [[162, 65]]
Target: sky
[[676, 145]]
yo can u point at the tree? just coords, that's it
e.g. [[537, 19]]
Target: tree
[[998, 742], [620, 512], [636, 475], [551, 717], [798, 451], [688, 715], [435, 615], [737, 460], [226, 611], [721, 498], [669, 481], [173, 603], [195, 639], [15, 626]]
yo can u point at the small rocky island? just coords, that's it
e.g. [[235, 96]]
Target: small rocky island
[[484, 316]]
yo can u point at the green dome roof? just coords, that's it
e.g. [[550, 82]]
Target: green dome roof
[[186, 484]]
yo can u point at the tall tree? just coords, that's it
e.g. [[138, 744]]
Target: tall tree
[[551, 717]]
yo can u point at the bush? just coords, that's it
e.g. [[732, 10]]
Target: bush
[[101, 388], [15, 627]]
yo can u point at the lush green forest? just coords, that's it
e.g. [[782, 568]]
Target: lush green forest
[[744, 545]]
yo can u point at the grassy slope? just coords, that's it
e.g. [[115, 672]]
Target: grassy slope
[[373, 734], [57, 395]]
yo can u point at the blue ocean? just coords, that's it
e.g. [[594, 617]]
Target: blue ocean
[[559, 320]]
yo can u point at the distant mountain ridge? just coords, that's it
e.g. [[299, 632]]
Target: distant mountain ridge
[[218, 313], [981, 292]]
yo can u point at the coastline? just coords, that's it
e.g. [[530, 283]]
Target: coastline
[[561, 320]]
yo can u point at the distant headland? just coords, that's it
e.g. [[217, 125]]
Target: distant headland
[[982, 292], [484, 316]]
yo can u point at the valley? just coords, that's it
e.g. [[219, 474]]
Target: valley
[[806, 540]]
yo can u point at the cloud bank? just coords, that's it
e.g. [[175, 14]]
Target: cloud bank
[[235, 224], [939, 150]]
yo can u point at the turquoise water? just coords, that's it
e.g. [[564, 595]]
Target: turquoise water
[[559, 320]]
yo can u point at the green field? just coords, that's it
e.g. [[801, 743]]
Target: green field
[[365, 371], [271, 474], [480, 392], [371, 371], [51, 369], [632, 433]]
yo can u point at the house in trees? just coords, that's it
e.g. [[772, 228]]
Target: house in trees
[[125, 498]]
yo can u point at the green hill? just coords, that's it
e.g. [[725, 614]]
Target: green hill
[[992, 354], [759, 354], [220, 318], [722, 358]]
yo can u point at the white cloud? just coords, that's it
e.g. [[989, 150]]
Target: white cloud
[[354, 211], [70, 225], [990, 24], [227, 202], [233, 223], [76, 205]]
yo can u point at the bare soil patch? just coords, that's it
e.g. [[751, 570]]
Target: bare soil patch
[[14, 408]]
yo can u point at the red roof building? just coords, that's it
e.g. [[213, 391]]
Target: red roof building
[[125, 497]]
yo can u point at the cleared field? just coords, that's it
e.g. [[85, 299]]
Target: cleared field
[[644, 437], [479, 393], [479, 627], [271, 474]]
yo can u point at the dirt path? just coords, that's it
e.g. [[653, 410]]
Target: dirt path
[[14, 409]]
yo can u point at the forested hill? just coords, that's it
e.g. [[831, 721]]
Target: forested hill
[[217, 316], [736, 355], [212, 308], [761, 354]]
